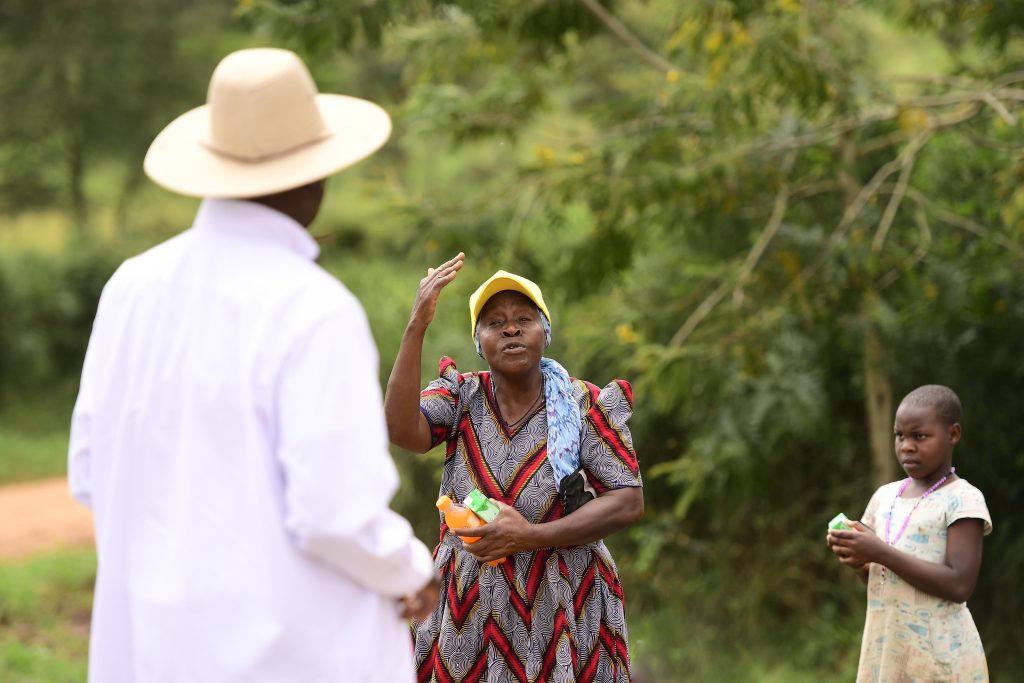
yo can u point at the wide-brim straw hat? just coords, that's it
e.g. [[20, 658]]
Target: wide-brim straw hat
[[503, 281], [264, 129]]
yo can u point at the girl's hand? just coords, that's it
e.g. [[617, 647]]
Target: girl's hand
[[858, 547], [430, 288], [508, 534]]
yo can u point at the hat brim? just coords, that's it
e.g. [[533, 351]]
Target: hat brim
[[179, 160]]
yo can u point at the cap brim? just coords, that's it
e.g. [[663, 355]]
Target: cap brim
[[179, 161]]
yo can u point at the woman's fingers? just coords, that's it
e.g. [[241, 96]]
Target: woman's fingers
[[437, 278], [446, 272], [454, 262]]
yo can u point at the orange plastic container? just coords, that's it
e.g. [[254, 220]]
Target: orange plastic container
[[461, 517]]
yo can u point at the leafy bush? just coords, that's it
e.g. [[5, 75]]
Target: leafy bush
[[47, 305]]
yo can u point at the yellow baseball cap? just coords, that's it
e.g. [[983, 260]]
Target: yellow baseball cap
[[500, 282]]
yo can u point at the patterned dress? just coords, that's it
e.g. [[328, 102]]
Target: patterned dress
[[550, 615], [909, 635]]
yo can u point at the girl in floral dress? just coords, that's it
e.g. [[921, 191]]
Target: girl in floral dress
[[918, 548]]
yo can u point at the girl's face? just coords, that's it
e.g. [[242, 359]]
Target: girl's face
[[511, 333], [924, 444]]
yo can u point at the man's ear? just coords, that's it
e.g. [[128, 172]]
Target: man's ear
[[954, 433]]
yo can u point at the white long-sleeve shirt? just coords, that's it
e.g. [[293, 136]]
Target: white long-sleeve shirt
[[230, 439]]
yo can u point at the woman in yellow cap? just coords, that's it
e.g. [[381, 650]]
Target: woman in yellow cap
[[556, 455]]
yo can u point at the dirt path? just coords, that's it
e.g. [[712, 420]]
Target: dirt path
[[39, 516]]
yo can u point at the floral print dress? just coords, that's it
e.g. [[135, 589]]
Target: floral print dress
[[909, 635]]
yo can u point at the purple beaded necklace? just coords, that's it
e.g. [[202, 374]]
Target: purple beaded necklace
[[906, 521]]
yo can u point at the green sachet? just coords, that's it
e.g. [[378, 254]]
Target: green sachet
[[840, 523], [483, 506]]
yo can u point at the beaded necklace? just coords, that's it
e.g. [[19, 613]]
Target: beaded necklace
[[906, 521]]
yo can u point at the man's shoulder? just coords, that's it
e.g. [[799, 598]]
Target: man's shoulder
[[146, 263], [312, 280]]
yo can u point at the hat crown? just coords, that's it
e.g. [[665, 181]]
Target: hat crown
[[262, 104]]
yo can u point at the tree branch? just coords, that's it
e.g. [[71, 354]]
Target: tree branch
[[766, 236], [620, 31], [924, 228], [992, 101], [906, 160], [749, 263], [965, 223]]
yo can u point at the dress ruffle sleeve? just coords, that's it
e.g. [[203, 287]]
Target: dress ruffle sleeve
[[439, 401], [606, 447]]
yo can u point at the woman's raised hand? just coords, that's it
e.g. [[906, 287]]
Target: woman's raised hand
[[430, 288]]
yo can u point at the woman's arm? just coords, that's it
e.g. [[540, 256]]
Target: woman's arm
[[511, 533], [953, 580], [407, 427]]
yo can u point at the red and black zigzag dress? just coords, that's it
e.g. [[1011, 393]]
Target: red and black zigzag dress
[[550, 615]]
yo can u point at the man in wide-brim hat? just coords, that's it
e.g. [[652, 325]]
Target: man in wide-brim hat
[[228, 432]]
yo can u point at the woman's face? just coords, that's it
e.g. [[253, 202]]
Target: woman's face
[[511, 333]]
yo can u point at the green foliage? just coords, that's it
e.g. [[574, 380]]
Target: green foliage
[[962, 21], [322, 26], [727, 219], [47, 305], [88, 80]]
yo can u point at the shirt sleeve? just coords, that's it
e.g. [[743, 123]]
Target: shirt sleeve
[[332, 446], [606, 447], [439, 402], [80, 455], [80, 442], [970, 504]]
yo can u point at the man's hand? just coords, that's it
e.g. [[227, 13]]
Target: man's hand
[[421, 604]]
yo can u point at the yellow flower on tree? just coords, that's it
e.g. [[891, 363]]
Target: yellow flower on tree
[[626, 334]]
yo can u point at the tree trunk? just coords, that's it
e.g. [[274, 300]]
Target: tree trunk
[[877, 385], [878, 404]]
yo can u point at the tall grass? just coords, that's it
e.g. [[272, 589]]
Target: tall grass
[[45, 606], [34, 436]]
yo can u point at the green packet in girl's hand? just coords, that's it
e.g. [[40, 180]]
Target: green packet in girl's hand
[[483, 506], [840, 523]]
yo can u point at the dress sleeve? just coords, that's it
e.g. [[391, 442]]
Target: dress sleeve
[[970, 504], [606, 447], [439, 401]]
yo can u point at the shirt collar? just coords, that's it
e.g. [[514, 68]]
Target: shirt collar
[[254, 221]]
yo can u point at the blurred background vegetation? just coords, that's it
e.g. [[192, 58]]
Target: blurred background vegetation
[[774, 217]]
